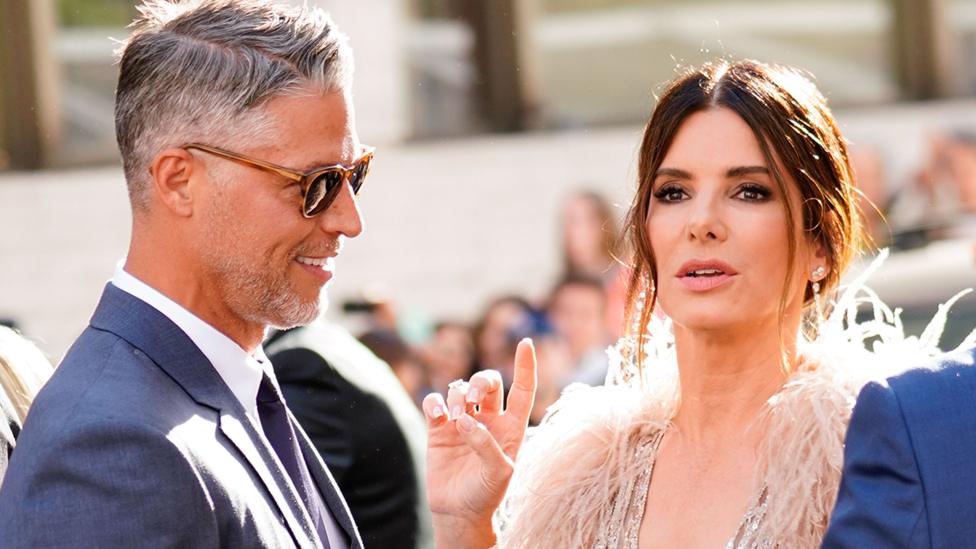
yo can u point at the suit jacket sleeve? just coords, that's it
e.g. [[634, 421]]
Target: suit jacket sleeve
[[105, 483], [880, 502]]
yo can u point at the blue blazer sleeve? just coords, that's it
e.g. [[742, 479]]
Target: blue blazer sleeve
[[880, 502]]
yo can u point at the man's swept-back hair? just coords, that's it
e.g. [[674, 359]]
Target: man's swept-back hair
[[197, 70]]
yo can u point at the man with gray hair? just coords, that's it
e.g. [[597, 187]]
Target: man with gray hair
[[164, 425]]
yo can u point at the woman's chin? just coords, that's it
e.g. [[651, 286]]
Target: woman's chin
[[714, 320]]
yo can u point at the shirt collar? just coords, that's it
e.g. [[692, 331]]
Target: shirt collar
[[240, 371]]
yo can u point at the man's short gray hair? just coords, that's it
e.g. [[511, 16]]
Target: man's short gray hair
[[196, 70]]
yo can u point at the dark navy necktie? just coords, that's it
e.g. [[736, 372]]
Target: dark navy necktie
[[278, 429]]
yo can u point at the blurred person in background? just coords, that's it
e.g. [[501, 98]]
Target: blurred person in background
[[589, 232], [449, 355], [164, 425], [23, 371], [363, 423], [389, 347], [577, 311], [940, 200], [375, 309], [873, 194], [498, 332], [949, 176], [555, 366], [589, 248]]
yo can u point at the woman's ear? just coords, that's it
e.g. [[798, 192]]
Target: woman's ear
[[818, 263], [171, 172]]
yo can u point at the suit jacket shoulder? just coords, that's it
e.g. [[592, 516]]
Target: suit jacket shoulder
[[136, 441], [908, 478], [93, 450], [938, 403]]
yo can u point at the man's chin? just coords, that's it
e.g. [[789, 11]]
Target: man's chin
[[292, 317]]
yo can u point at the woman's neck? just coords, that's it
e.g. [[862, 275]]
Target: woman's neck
[[727, 376]]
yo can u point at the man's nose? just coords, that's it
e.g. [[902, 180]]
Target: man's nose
[[343, 215]]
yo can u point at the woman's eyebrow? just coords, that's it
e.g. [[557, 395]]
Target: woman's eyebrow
[[672, 172], [747, 170]]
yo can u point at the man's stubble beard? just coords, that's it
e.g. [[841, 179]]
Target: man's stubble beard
[[256, 292], [266, 299]]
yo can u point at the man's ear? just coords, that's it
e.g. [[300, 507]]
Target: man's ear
[[172, 171]]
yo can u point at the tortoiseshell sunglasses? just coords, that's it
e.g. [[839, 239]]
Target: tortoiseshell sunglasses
[[320, 186]]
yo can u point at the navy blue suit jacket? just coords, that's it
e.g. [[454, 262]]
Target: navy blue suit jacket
[[910, 461], [136, 441]]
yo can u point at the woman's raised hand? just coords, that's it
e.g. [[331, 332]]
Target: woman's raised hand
[[471, 449]]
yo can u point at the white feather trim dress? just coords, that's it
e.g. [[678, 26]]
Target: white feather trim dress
[[582, 476]]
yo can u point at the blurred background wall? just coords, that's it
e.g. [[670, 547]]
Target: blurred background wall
[[488, 115]]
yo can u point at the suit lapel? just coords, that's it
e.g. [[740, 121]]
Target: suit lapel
[[244, 436], [174, 352], [327, 485]]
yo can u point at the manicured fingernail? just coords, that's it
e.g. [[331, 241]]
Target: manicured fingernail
[[466, 422], [474, 395], [457, 411], [437, 412]]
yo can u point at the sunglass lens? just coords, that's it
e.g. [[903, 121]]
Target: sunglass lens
[[322, 191], [359, 175]]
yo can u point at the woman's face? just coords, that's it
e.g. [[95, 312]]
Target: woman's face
[[451, 353], [717, 227], [583, 233], [494, 341]]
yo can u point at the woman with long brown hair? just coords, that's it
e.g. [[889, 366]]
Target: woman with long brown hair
[[725, 426], [589, 249]]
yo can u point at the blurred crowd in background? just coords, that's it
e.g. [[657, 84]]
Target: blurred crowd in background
[[549, 91], [506, 134], [583, 311], [571, 326]]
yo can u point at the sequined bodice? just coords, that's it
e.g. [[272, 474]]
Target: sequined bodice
[[623, 529]]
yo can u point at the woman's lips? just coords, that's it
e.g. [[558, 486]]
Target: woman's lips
[[702, 275], [705, 283]]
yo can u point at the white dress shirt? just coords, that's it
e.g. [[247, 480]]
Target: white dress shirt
[[239, 370]]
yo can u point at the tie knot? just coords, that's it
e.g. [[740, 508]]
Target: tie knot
[[268, 391]]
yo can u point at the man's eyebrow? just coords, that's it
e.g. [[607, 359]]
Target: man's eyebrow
[[672, 172], [322, 164], [747, 170]]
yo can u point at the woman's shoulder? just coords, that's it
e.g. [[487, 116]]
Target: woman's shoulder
[[802, 454], [592, 417], [575, 462]]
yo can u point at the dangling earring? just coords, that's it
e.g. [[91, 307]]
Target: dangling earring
[[815, 277], [640, 304]]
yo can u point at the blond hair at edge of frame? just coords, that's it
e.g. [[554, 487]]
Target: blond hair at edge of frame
[[23, 370]]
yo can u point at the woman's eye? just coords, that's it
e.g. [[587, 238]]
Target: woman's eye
[[753, 193], [670, 193]]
